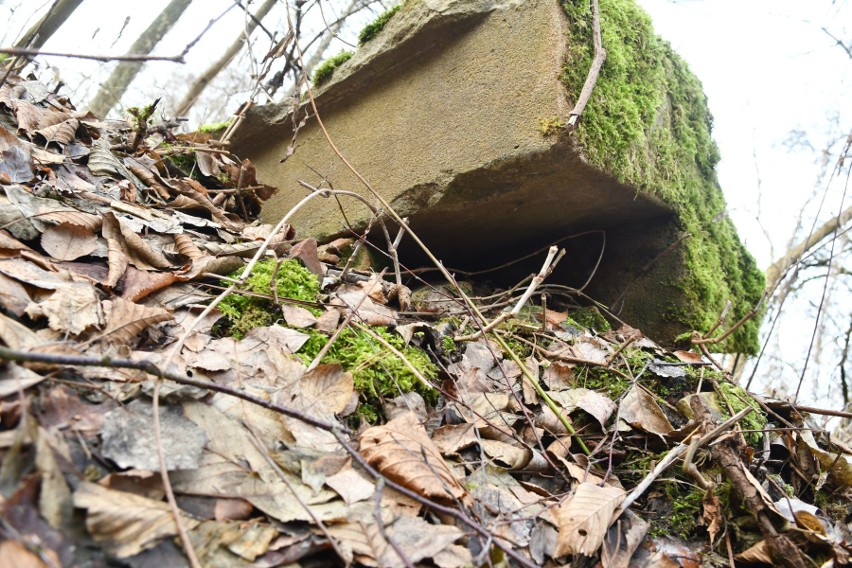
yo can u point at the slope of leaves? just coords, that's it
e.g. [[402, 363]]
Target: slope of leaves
[[548, 442]]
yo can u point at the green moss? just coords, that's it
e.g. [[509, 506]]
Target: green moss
[[591, 318], [325, 70], [372, 29], [647, 123], [376, 371], [215, 127], [245, 312], [606, 382], [738, 399]]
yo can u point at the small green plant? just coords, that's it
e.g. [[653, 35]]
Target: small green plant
[[372, 29], [325, 70], [550, 126], [246, 312], [739, 399], [377, 372]]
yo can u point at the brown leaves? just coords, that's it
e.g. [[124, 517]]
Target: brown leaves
[[403, 451], [127, 524], [584, 518]]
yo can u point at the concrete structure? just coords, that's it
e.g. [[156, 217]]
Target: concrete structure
[[454, 112]]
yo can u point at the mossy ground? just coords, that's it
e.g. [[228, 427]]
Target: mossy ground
[[377, 372], [648, 123]]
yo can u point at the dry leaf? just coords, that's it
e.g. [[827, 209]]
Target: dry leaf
[[641, 411], [125, 321], [592, 402], [140, 283], [351, 485], [68, 242], [584, 518], [756, 554], [622, 540], [403, 452], [126, 523], [72, 308], [451, 438], [712, 514]]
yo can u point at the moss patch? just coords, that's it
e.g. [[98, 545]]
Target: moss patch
[[372, 29], [325, 70], [648, 124], [376, 371], [246, 312]]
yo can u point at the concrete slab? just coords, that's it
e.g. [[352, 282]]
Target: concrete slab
[[443, 112]]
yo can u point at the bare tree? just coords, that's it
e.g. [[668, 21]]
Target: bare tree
[[205, 78], [41, 31], [115, 86]]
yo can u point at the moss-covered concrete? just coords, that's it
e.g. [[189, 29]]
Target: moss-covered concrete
[[455, 112], [647, 123]]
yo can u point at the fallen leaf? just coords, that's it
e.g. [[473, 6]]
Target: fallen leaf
[[351, 485], [402, 451], [126, 523], [125, 321], [584, 518], [595, 404], [712, 514], [641, 411], [72, 308], [622, 540]]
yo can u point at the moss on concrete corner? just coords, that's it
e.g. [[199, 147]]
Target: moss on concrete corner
[[647, 123], [372, 29], [325, 70]]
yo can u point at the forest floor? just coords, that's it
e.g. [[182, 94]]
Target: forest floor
[[181, 384]]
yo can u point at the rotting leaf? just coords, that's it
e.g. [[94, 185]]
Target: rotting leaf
[[403, 451], [128, 438]]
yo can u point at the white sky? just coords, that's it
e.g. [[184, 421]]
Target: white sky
[[766, 65]]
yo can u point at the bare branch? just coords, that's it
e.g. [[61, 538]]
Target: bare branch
[[105, 58]]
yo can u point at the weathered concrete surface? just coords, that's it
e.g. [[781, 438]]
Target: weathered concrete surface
[[442, 113]]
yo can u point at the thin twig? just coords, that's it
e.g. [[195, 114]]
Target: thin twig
[[152, 369], [128, 57]]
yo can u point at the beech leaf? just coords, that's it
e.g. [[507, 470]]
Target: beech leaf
[[584, 518], [403, 452]]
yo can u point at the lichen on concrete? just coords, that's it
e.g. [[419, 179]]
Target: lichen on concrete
[[648, 124]]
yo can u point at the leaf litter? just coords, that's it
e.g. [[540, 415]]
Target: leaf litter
[[422, 441]]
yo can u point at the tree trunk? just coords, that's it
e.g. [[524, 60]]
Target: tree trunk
[[115, 86], [204, 79], [41, 31]]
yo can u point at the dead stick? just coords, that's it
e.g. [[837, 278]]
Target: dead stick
[[152, 369], [674, 454], [105, 58], [594, 70]]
